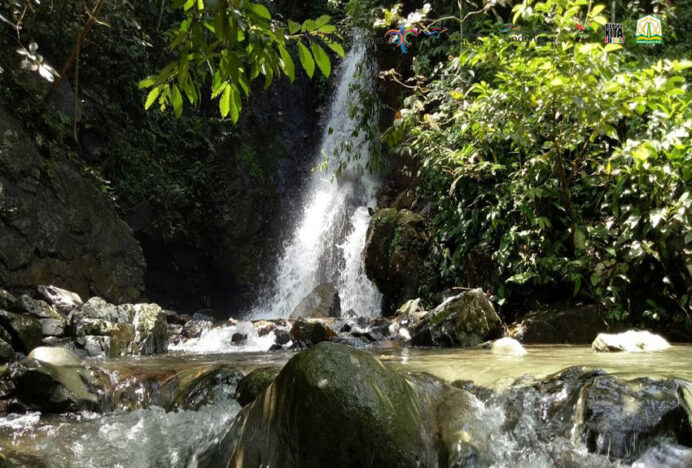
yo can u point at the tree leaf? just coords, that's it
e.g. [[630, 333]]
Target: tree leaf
[[597, 9], [336, 47], [322, 20], [287, 64], [200, 5], [306, 59], [151, 98], [225, 101], [260, 10], [611, 47], [293, 27], [236, 104], [177, 100], [322, 59]]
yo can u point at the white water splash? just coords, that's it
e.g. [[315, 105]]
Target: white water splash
[[327, 244], [220, 340]]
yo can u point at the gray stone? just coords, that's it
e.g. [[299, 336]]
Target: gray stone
[[150, 330], [238, 338], [37, 308], [63, 300], [322, 302], [507, 347], [561, 324], [311, 332], [630, 341], [97, 308], [52, 327], [56, 356], [281, 337], [194, 328]]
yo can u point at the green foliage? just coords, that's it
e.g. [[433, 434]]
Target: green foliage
[[571, 161], [228, 44]]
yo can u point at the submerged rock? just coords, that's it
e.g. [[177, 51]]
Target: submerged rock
[[25, 332], [507, 347], [463, 320], [57, 382], [333, 405], [619, 418], [253, 384], [322, 302], [631, 341]]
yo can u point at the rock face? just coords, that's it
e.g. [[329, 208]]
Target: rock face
[[63, 300], [630, 341], [368, 415], [57, 226], [6, 352], [568, 325], [322, 302], [395, 251], [618, 417], [463, 320]]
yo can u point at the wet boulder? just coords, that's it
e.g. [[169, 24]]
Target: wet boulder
[[620, 418], [555, 325], [25, 332], [311, 331], [37, 308], [63, 300], [333, 405], [629, 341], [56, 383], [322, 302], [395, 252], [463, 320], [281, 336], [151, 335], [253, 384], [194, 328]]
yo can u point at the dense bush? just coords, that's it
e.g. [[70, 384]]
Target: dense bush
[[570, 160]]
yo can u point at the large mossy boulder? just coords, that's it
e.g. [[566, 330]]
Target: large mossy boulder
[[463, 320], [395, 253], [322, 302], [333, 405]]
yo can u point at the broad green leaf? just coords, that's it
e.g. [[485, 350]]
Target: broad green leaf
[[260, 10], [336, 48], [236, 103], [322, 59], [322, 20], [597, 9], [225, 101], [612, 47], [293, 27], [308, 25], [288, 65], [151, 98], [177, 100], [200, 5], [188, 4], [602, 20], [146, 83], [306, 59]]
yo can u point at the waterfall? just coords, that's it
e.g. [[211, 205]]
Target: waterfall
[[328, 239]]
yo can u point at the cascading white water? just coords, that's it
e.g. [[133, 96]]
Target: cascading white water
[[327, 243]]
